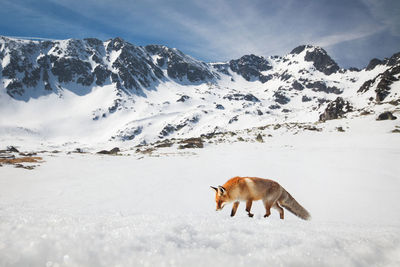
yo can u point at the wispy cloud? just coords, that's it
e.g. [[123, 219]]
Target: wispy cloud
[[334, 39], [386, 12], [233, 28], [208, 29]]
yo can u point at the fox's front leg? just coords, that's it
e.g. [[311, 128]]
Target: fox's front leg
[[234, 208], [248, 207]]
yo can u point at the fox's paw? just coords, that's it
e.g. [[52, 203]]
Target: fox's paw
[[251, 215]]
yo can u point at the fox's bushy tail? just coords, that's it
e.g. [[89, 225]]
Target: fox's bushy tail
[[289, 203]]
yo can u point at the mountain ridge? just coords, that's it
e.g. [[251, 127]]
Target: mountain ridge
[[147, 93]]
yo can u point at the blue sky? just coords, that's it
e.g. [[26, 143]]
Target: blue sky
[[352, 31]]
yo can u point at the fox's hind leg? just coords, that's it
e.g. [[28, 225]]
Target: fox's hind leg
[[234, 208], [248, 208], [279, 208]]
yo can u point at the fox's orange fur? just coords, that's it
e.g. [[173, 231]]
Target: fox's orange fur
[[250, 189]]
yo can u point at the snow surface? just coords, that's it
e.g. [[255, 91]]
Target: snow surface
[[92, 210]]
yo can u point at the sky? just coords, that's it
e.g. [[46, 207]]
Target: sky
[[351, 31]]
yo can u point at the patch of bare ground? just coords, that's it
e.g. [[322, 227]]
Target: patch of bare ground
[[18, 162]]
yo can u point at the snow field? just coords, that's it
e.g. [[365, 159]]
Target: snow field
[[91, 210], [187, 240]]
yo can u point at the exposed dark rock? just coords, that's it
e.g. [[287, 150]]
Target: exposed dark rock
[[275, 106], [183, 98], [180, 65], [250, 67], [277, 126], [387, 78], [15, 88], [322, 101], [219, 106], [12, 149], [78, 150], [147, 151], [132, 133], [394, 59], [322, 61], [191, 143], [320, 86], [386, 116], [383, 87], [113, 151], [115, 44], [285, 76], [298, 86], [101, 74], [312, 128], [365, 112], [336, 109], [259, 138], [222, 67], [373, 63], [265, 78], [168, 144], [299, 49], [233, 119], [115, 105], [135, 69], [354, 69], [29, 154], [27, 167], [169, 128], [239, 97], [281, 98], [340, 129], [94, 42], [5, 155], [72, 70], [32, 77], [365, 86], [305, 98]]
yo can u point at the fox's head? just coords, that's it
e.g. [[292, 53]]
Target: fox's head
[[221, 196]]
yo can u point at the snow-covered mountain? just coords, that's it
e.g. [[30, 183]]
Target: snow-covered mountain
[[93, 91]]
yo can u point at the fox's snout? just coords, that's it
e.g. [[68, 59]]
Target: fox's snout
[[220, 206]]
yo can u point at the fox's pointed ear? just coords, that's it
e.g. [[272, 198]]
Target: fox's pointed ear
[[222, 189], [216, 189]]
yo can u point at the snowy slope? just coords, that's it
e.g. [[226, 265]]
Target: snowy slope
[[112, 93]]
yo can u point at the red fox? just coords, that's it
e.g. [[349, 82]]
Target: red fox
[[250, 189]]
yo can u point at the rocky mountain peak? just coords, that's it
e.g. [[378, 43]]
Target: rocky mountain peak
[[392, 61], [320, 58], [115, 44], [322, 61], [373, 63], [180, 66], [300, 49], [250, 67]]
